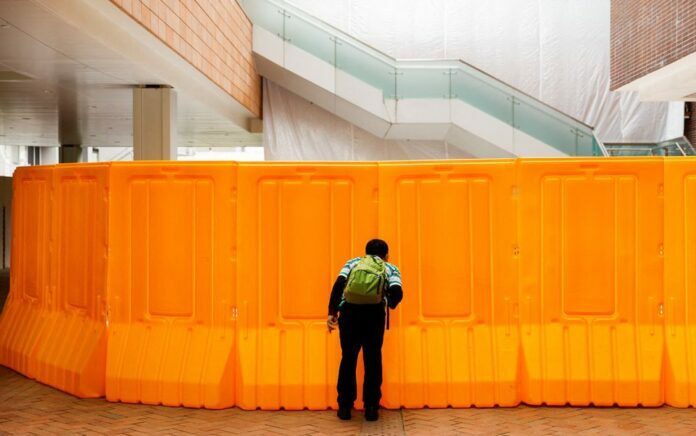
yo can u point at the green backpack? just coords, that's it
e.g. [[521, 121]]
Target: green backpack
[[366, 282]]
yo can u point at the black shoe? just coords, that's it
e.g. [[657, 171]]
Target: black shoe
[[343, 413], [372, 413]]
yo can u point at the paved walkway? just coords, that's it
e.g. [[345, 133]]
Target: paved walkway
[[28, 407]]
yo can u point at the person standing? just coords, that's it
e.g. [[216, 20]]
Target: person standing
[[366, 288]]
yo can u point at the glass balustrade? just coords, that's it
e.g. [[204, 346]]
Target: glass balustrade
[[671, 147]]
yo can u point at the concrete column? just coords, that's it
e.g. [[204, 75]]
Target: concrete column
[[72, 154], [49, 155], [69, 134], [154, 123]]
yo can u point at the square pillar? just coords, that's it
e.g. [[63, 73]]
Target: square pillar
[[154, 123], [72, 154], [49, 155]]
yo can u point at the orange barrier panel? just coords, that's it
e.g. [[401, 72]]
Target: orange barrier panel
[[54, 327], [454, 340], [24, 321], [72, 354], [300, 223], [680, 282], [171, 284], [591, 280]]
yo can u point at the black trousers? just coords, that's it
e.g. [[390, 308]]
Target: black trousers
[[361, 326]]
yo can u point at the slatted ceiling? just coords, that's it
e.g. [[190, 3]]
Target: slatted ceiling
[[60, 59]]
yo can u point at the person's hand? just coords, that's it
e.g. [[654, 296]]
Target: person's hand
[[331, 323]]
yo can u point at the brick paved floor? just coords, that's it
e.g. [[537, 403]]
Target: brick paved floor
[[28, 407]]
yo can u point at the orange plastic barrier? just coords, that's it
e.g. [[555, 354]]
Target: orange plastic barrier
[[591, 277], [23, 321], [72, 356], [54, 326], [171, 284], [298, 226], [454, 340], [206, 284], [680, 281]]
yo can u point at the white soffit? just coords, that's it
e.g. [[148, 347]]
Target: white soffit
[[674, 82]]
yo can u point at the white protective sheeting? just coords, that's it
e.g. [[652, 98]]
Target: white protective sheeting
[[555, 50], [295, 129]]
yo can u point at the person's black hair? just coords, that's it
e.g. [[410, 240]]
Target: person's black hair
[[377, 247]]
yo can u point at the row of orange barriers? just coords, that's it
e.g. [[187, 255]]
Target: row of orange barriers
[[548, 281]]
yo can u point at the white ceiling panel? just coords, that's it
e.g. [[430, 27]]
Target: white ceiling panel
[[81, 89]]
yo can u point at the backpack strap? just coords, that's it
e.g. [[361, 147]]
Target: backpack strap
[[385, 288]]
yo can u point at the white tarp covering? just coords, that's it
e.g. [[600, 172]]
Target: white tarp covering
[[555, 50], [295, 129]]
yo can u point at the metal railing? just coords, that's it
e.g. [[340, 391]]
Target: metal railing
[[671, 147]]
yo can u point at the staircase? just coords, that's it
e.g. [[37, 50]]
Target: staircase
[[447, 100]]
